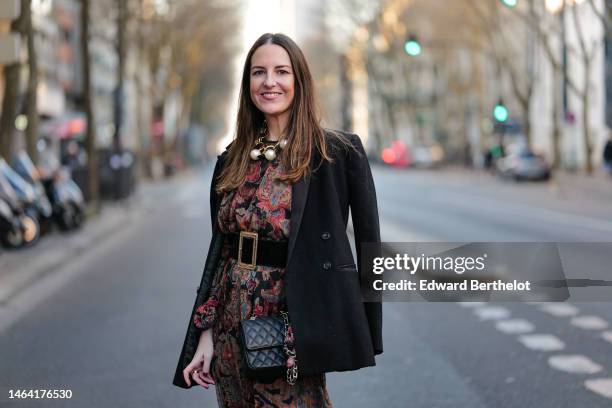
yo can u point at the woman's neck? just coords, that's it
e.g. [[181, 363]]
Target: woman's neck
[[276, 126]]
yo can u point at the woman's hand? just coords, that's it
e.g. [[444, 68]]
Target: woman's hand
[[201, 361]]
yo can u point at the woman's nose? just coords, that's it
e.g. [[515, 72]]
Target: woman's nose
[[269, 81]]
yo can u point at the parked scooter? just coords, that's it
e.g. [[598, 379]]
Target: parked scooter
[[10, 227], [67, 200], [35, 202], [18, 228], [65, 197]]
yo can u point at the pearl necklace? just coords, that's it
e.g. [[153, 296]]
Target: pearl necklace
[[269, 150]]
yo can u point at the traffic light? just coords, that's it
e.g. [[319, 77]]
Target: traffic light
[[412, 46], [500, 112], [509, 3]]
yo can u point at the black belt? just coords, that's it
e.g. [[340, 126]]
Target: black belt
[[249, 250]]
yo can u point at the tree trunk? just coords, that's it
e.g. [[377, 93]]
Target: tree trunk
[[586, 127], [31, 95], [11, 92], [586, 135], [556, 117], [9, 109], [526, 108], [119, 99], [90, 135]]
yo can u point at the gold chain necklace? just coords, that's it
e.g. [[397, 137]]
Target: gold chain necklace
[[269, 151]]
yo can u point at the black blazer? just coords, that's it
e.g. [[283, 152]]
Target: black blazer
[[334, 329]]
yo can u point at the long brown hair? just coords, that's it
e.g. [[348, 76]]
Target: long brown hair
[[304, 132]]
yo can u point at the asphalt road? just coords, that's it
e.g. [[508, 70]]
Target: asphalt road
[[109, 325]]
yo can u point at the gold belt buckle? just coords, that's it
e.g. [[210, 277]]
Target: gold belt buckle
[[253, 236]]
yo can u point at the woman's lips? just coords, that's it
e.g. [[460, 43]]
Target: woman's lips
[[270, 96]]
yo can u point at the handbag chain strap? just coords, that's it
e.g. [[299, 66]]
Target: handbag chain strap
[[292, 372]]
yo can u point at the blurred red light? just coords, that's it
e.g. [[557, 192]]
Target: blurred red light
[[388, 155], [76, 126]]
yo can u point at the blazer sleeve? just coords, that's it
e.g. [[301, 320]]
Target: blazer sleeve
[[193, 332], [205, 315], [214, 197], [364, 214]]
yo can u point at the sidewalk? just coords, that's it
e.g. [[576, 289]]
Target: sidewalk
[[22, 267], [598, 185]]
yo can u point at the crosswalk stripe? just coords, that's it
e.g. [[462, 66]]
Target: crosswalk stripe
[[589, 322], [560, 309], [576, 364], [601, 386], [514, 326], [542, 342]]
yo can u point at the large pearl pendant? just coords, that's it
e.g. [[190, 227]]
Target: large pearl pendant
[[270, 154], [255, 153]]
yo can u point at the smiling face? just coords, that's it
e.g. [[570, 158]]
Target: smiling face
[[272, 80]]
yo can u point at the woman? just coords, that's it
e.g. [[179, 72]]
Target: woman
[[292, 183]]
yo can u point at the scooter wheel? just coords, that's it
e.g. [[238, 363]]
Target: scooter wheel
[[31, 230], [13, 238], [77, 216]]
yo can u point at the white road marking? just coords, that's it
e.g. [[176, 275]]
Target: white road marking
[[560, 309], [576, 364], [607, 335], [601, 386], [589, 322], [492, 313], [514, 326], [542, 342]]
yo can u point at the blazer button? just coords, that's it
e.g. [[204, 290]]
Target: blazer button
[[325, 235], [327, 266]]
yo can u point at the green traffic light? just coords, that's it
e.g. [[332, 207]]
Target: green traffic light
[[500, 113], [510, 3], [412, 48]]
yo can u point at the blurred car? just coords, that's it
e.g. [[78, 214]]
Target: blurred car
[[397, 155], [427, 156], [524, 165]]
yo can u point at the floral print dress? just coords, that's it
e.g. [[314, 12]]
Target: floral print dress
[[261, 204]]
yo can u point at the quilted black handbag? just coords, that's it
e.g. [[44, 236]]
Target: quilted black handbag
[[264, 351]]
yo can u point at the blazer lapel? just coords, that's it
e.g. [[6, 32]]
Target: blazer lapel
[[299, 194]]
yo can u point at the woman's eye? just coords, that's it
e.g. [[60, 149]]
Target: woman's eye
[[257, 72], [282, 71]]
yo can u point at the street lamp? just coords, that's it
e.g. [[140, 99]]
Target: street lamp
[[412, 46]]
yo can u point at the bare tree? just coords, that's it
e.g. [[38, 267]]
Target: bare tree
[[605, 15], [11, 87], [31, 94], [586, 52], [509, 55], [90, 133]]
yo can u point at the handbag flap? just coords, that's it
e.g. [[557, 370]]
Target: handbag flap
[[263, 332]]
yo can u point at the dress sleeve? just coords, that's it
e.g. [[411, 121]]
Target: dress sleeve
[[205, 315]]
